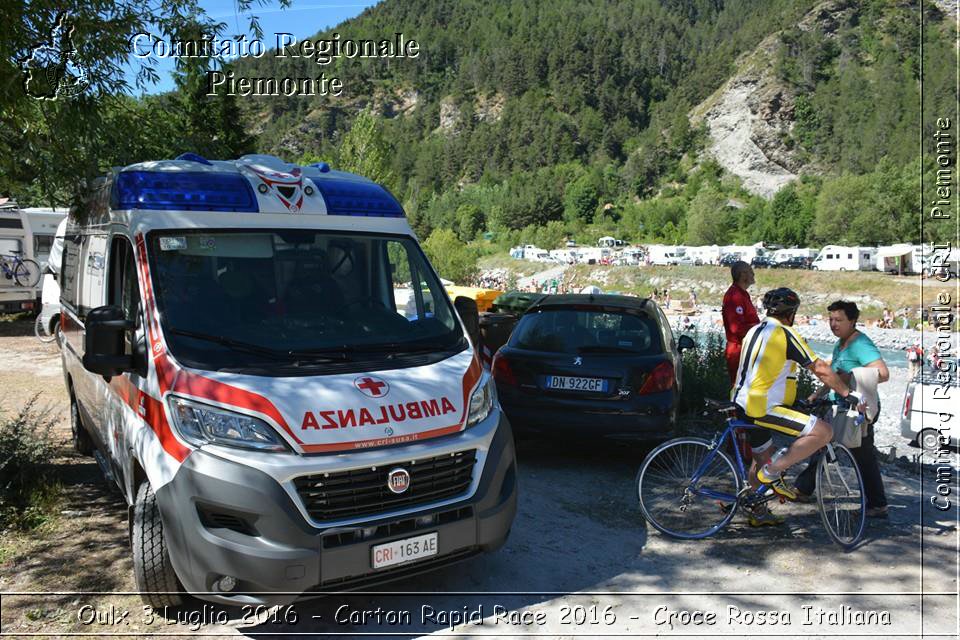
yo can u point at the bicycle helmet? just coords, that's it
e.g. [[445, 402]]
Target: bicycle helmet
[[781, 301]]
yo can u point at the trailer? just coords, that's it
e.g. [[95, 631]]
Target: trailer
[[41, 227], [15, 241]]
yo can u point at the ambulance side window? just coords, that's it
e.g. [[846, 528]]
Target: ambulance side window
[[123, 289]]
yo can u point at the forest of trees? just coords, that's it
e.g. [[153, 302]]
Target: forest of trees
[[562, 119]]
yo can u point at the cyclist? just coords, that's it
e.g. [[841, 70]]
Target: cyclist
[[766, 386]]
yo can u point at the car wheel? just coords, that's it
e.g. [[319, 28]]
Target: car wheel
[[155, 578], [929, 440], [81, 439]]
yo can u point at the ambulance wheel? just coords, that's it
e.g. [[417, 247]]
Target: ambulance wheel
[[81, 439], [156, 580]]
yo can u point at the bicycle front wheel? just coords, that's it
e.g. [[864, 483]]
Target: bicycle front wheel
[[27, 273], [679, 501], [840, 495]]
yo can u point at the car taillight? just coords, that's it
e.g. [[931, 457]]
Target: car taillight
[[660, 379], [906, 405], [502, 372]]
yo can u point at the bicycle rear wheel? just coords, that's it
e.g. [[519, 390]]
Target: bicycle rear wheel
[[27, 273], [840, 496], [675, 506]]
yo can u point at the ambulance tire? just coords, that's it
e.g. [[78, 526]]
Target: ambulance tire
[[155, 578], [82, 443]]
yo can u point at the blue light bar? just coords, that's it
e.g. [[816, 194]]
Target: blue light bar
[[183, 191], [349, 198], [194, 157]]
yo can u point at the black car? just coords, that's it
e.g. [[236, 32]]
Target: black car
[[596, 364], [762, 262], [728, 259], [795, 262]]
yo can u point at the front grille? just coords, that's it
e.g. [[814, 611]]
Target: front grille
[[361, 492]]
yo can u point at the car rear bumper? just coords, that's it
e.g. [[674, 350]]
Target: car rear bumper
[[649, 419], [285, 558]]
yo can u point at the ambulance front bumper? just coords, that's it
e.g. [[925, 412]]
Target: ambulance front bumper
[[222, 518]]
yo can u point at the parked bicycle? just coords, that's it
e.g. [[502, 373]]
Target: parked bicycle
[[690, 488], [23, 271]]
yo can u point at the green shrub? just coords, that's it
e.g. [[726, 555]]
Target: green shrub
[[704, 373], [26, 453]]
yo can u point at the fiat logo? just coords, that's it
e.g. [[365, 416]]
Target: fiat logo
[[398, 480]]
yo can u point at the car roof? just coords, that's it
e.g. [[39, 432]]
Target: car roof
[[599, 300]]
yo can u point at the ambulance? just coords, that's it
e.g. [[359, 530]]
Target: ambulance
[[238, 364]]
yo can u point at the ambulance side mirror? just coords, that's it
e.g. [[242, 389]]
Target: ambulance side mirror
[[103, 345], [467, 310]]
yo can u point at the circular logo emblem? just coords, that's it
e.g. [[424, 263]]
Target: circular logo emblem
[[373, 387], [740, 310], [398, 480]]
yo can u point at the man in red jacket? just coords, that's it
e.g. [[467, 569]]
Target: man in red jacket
[[739, 313]]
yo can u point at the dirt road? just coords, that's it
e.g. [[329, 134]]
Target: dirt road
[[580, 561]]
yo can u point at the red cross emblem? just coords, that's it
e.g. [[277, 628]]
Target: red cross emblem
[[373, 387]]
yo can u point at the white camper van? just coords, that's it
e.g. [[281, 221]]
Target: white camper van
[[236, 361], [664, 254], [838, 258]]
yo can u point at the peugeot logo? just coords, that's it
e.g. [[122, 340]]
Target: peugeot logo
[[398, 480]]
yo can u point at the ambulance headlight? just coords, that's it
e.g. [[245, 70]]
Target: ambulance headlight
[[201, 424], [481, 402]]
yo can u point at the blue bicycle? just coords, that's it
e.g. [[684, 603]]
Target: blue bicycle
[[23, 271], [690, 488]]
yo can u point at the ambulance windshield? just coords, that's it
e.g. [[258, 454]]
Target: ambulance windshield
[[297, 298]]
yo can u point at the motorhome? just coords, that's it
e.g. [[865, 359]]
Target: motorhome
[[840, 258], [660, 254], [594, 255], [709, 254], [236, 361]]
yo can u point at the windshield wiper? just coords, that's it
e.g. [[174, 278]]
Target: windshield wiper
[[407, 347], [330, 355]]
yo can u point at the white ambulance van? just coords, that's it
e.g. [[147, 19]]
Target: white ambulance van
[[237, 363]]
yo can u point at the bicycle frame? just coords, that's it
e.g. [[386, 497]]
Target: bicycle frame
[[732, 423]]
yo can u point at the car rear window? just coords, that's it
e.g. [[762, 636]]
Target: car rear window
[[575, 330]]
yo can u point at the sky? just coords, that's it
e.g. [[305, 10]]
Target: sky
[[303, 19]]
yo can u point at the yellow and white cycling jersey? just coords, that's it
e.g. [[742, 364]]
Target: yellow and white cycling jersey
[[767, 373]]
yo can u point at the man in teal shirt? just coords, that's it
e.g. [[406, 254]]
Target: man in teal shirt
[[854, 349]]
